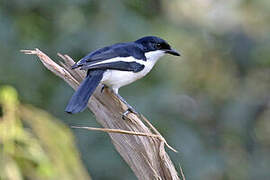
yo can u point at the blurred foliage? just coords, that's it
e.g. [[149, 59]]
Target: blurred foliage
[[33, 144], [212, 104]]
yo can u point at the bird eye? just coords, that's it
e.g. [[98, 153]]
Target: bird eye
[[158, 46]]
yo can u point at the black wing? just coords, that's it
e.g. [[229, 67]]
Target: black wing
[[118, 65], [109, 52]]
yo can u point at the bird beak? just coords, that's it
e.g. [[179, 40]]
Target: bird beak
[[172, 52]]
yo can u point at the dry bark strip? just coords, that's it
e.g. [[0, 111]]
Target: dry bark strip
[[142, 150]]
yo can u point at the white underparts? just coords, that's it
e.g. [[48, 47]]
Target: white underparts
[[116, 79]]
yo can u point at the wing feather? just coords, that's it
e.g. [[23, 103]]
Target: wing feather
[[117, 50], [118, 65]]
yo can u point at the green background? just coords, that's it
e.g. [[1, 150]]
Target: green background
[[212, 104]]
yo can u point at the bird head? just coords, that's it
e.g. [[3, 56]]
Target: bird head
[[153, 43]]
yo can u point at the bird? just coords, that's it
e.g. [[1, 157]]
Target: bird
[[116, 66]]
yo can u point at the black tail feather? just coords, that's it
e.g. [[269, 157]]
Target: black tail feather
[[79, 100]]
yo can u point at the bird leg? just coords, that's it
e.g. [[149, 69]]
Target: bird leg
[[130, 109]]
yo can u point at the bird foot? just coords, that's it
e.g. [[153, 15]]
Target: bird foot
[[102, 88], [129, 110]]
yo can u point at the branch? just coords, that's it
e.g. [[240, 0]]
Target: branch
[[143, 147]]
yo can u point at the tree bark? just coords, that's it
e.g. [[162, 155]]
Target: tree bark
[[145, 155]]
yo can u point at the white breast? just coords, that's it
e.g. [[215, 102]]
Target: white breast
[[116, 79]]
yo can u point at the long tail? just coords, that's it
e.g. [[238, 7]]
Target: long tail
[[79, 100]]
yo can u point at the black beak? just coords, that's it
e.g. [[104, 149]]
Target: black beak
[[172, 52]]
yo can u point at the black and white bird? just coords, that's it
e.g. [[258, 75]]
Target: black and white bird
[[116, 66]]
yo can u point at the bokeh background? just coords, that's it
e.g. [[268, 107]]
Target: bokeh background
[[212, 104]]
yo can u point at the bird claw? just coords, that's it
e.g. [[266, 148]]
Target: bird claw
[[124, 115], [129, 110], [102, 88]]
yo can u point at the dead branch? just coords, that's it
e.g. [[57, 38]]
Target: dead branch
[[142, 150]]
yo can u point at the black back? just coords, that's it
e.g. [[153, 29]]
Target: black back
[[136, 49], [113, 51]]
